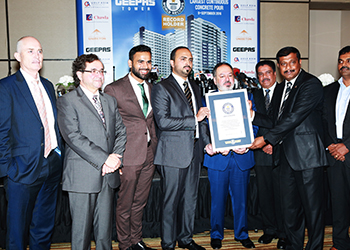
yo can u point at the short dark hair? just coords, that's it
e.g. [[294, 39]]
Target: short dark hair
[[139, 48], [172, 54], [344, 50], [79, 64], [269, 63], [219, 65], [286, 51]]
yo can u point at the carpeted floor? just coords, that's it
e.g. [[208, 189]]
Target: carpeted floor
[[203, 239]]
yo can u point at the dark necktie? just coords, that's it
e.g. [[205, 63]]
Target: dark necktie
[[144, 99], [188, 94], [267, 99], [98, 107], [289, 88]]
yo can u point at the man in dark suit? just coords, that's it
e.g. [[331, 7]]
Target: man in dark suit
[[95, 138], [229, 173], [337, 137], [267, 175], [132, 93], [30, 145], [299, 133], [182, 137]]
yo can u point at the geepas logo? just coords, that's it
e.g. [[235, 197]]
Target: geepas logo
[[173, 7], [135, 2], [243, 49], [98, 49]]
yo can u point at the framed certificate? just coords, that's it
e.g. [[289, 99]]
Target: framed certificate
[[229, 122]]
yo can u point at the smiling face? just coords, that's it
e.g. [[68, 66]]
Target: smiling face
[[289, 66], [30, 55], [141, 66], [182, 65], [266, 76], [93, 82], [224, 78]]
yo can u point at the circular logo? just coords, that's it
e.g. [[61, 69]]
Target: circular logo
[[173, 7], [236, 6], [227, 108]]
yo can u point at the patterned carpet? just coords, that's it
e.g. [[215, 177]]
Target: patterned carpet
[[203, 239]]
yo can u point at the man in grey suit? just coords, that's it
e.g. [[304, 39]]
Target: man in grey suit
[[95, 135], [182, 136]]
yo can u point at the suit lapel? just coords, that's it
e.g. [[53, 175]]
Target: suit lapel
[[27, 95], [260, 100], [130, 93], [179, 90]]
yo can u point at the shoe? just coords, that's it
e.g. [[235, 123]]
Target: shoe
[[333, 248], [266, 238], [247, 243], [281, 243], [192, 246], [215, 243], [141, 246]]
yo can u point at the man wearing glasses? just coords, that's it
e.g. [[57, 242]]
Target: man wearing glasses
[[95, 135]]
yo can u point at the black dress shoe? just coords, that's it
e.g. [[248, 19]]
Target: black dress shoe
[[215, 243], [266, 238], [247, 243], [141, 246], [282, 243], [191, 246]]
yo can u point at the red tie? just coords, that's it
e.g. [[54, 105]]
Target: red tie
[[40, 105]]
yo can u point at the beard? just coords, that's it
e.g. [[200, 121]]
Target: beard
[[139, 75]]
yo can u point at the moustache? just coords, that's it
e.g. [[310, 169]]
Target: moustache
[[266, 79], [344, 67], [289, 71]]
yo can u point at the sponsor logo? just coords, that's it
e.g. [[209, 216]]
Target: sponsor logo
[[89, 17], [96, 4], [135, 3], [244, 36], [173, 7], [239, 19], [97, 35], [236, 6], [87, 4], [244, 60], [98, 49], [236, 59], [243, 49]]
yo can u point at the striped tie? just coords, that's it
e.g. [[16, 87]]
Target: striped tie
[[267, 99], [188, 94], [144, 99], [99, 109], [289, 88], [40, 105]]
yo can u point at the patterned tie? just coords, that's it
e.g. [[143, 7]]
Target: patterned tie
[[188, 94], [98, 107], [40, 105], [144, 99], [289, 88], [267, 99]]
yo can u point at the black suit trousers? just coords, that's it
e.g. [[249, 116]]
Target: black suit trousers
[[302, 204], [339, 184]]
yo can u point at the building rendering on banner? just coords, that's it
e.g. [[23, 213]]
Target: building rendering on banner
[[206, 41]]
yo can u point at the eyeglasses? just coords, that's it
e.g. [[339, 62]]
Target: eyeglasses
[[95, 71]]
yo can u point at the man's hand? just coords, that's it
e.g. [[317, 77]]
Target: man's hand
[[259, 142], [338, 151], [240, 151], [202, 113], [211, 152], [112, 163], [268, 149]]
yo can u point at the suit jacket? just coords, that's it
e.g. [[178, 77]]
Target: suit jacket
[[221, 162], [22, 134], [176, 124], [134, 120], [299, 130], [261, 158], [329, 119], [88, 143]]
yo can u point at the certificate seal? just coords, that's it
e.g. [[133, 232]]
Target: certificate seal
[[173, 7], [227, 108]]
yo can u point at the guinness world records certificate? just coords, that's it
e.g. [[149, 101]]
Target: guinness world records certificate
[[229, 122]]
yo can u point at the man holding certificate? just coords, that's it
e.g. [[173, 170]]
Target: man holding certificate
[[229, 171]]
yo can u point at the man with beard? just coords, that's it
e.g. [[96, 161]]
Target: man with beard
[[337, 124], [133, 94], [229, 172], [267, 175], [298, 133], [182, 136]]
